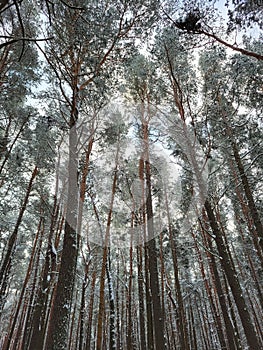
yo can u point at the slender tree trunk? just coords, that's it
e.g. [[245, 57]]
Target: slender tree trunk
[[27, 299], [39, 317], [7, 260], [179, 297], [82, 194], [231, 308], [33, 298], [250, 199], [161, 255], [104, 259], [208, 288], [21, 298], [33, 291], [252, 206], [158, 315], [129, 304], [233, 342], [141, 298], [202, 333], [246, 213], [118, 312], [149, 311], [112, 305], [251, 263], [82, 307], [194, 338], [90, 312], [227, 266], [72, 341]]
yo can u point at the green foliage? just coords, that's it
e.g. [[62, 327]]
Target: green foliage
[[143, 80]]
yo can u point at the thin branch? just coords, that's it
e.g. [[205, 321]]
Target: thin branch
[[71, 6], [12, 41], [56, 73], [2, 5], [22, 29], [233, 47], [110, 49]]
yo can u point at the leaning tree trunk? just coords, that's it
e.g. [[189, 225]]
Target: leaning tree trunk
[[228, 268], [7, 261], [251, 203], [233, 341], [208, 288], [244, 179], [33, 291], [17, 319], [38, 329]]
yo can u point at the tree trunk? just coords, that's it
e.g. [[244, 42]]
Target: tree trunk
[[227, 266], [105, 257], [252, 206], [179, 298], [233, 342], [21, 297], [33, 291], [90, 312], [7, 261], [141, 298], [208, 288], [39, 316], [152, 253], [129, 303], [82, 307], [251, 203], [58, 328], [112, 305]]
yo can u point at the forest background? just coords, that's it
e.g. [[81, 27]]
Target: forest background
[[131, 174]]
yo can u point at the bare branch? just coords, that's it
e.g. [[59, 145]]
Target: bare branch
[[3, 3], [233, 47], [14, 40], [71, 6], [56, 73]]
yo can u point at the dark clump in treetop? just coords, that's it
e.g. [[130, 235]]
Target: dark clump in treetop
[[190, 22]]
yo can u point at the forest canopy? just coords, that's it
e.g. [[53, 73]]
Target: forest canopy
[[131, 175]]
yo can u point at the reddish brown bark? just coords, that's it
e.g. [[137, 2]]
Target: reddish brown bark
[[227, 266]]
